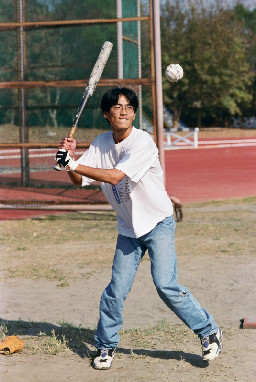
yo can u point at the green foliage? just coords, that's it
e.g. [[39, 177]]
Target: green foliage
[[244, 14], [212, 46], [249, 19], [215, 46], [56, 53]]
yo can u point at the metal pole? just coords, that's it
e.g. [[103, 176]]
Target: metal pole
[[139, 65], [23, 130], [120, 67], [158, 83]]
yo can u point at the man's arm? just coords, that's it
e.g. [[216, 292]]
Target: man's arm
[[75, 178], [112, 176]]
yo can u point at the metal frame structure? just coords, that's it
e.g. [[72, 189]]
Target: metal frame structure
[[155, 81]]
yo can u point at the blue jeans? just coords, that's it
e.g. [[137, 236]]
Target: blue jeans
[[161, 249]]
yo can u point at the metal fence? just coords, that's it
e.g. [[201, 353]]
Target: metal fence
[[47, 51]]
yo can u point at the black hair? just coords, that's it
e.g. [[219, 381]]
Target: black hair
[[110, 98]]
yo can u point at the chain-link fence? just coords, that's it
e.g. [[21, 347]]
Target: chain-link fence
[[47, 51]]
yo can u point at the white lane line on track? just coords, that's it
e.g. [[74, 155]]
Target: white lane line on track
[[215, 144], [32, 155], [209, 147], [37, 153], [223, 141], [230, 145], [30, 150], [252, 140]]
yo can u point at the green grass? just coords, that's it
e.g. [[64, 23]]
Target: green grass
[[84, 243]]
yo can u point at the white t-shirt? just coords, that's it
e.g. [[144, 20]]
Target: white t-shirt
[[139, 199]]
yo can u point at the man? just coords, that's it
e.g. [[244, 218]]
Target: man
[[125, 161]]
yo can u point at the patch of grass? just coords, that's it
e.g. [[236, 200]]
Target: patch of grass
[[37, 272], [63, 284], [85, 242], [154, 342], [135, 355], [45, 338], [3, 331], [178, 335], [48, 344], [89, 216]]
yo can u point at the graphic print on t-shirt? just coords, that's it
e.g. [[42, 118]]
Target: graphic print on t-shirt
[[122, 191], [116, 194]]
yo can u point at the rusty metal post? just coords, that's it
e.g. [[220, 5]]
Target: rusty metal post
[[139, 64], [158, 82], [120, 64], [22, 102]]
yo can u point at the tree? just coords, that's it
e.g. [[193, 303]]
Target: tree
[[249, 18], [211, 45]]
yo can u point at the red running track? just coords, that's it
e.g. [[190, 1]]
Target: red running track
[[196, 175]]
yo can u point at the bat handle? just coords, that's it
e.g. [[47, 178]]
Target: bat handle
[[70, 135], [72, 132], [57, 167]]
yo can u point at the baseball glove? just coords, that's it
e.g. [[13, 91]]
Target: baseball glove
[[11, 345], [177, 208]]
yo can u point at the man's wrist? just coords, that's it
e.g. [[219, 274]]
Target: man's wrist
[[72, 165]]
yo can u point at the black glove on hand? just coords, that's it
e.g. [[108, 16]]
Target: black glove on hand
[[63, 157]]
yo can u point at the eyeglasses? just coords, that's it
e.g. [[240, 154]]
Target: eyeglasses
[[129, 109]]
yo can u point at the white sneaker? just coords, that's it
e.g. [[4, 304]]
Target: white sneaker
[[211, 346], [103, 359]]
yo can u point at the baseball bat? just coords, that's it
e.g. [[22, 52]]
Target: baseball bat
[[90, 87]]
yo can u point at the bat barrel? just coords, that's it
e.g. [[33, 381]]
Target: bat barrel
[[90, 87], [84, 102]]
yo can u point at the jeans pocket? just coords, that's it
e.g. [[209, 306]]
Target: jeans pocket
[[167, 224]]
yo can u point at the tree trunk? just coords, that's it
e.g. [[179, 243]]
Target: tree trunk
[[199, 117], [176, 119]]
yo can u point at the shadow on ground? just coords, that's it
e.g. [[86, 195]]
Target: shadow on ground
[[79, 340]]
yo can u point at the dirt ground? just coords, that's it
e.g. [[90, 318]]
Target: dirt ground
[[54, 269]]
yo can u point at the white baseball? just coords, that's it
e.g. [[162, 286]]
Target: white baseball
[[174, 72]]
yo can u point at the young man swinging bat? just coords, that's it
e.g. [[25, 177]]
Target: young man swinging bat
[[125, 161]]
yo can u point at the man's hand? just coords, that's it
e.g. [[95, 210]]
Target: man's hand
[[68, 144], [64, 159], [177, 207]]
